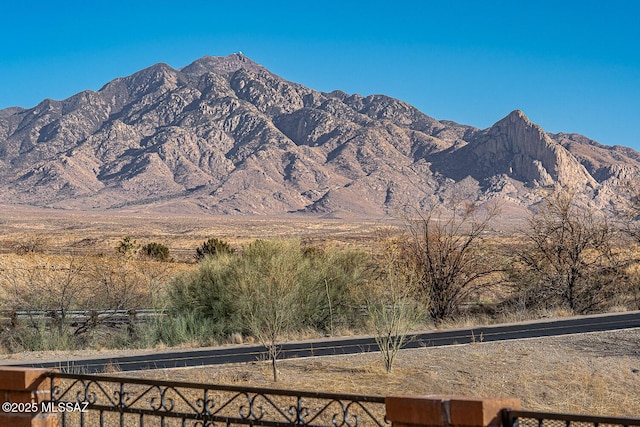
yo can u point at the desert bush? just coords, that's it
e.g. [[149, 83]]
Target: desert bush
[[118, 284], [186, 327], [156, 251], [213, 247], [331, 288], [31, 244], [208, 291], [316, 287], [41, 283], [58, 284], [449, 256], [393, 309], [269, 290], [39, 336], [569, 258], [627, 211], [127, 247], [327, 277]]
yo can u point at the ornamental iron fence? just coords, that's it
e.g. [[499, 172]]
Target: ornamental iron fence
[[89, 400], [511, 418]]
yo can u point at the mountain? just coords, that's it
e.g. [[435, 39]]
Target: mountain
[[225, 135]]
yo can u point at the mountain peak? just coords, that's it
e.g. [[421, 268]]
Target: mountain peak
[[228, 136], [517, 116], [522, 149], [221, 64]]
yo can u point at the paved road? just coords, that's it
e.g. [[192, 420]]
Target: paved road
[[214, 356]]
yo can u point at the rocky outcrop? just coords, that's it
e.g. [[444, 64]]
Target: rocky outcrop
[[225, 135], [520, 149]]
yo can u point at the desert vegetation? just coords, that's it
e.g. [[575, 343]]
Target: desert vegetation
[[433, 268]]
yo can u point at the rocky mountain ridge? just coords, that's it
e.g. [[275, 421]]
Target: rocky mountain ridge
[[225, 135]]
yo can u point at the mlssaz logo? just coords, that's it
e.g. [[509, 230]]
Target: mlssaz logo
[[65, 406]]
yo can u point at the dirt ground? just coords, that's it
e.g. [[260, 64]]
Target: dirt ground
[[597, 373]]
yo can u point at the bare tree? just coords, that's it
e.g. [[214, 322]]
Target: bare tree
[[118, 283], [269, 292], [31, 244], [569, 258], [38, 284], [392, 310], [450, 257], [628, 211]]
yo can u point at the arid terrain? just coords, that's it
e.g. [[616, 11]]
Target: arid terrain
[[84, 232], [87, 232], [595, 373]]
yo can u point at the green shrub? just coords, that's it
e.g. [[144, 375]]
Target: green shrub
[[326, 281], [330, 288], [156, 251], [209, 292], [213, 247], [127, 247], [40, 337], [187, 327]]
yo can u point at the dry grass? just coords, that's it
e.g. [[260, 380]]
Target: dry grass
[[38, 281], [594, 373], [90, 232]]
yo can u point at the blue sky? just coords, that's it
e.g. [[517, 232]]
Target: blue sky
[[571, 66]]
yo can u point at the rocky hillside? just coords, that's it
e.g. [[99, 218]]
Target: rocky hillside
[[226, 136]]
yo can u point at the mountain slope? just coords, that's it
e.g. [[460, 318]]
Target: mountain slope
[[225, 135]]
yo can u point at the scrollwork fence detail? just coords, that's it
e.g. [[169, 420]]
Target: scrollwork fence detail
[[119, 401]]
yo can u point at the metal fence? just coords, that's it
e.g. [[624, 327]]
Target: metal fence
[[548, 419], [88, 400], [140, 315]]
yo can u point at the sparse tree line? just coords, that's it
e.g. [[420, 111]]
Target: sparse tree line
[[566, 257]]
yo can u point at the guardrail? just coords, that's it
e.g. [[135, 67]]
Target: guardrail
[[141, 313], [81, 320]]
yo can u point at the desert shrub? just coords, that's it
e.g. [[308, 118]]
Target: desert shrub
[[569, 258], [208, 291], [39, 336], [324, 283], [156, 251], [269, 290], [449, 256], [31, 244], [330, 288], [45, 283], [119, 283], [189, 326], [128, 247], [213, 247], [282, 286], [393, 308]]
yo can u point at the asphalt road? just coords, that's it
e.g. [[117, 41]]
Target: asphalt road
[[249, 353]]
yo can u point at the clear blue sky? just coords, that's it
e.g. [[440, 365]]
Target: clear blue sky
[[571, 66]]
